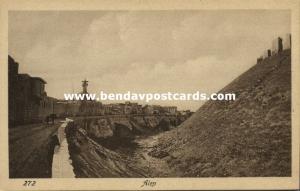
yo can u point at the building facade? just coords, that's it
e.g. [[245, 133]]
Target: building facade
[[28, 101], [172, 110]]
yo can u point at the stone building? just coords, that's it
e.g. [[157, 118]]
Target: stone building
[[139, 109], [107, 109], [46, 107], [13, 70], [28, 101], [157, 109], [60, 108], [117, 109], [148, 109], [170, 110], [64, 108], [132, 108]]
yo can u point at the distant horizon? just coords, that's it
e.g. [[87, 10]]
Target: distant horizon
[[142, 51]]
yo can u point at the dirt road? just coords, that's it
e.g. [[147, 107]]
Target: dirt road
[[28, 150]]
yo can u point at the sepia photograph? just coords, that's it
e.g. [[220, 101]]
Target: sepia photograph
[[142, 94]]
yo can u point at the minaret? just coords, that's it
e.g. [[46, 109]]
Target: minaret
[[83, 103], [84, 86]]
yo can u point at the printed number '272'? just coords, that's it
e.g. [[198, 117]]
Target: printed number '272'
[[29, 183]]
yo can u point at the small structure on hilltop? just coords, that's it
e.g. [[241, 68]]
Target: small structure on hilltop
[[278, 45], [269, 53], [259, 59]]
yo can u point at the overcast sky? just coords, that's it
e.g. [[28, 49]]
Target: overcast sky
[[141, 51]]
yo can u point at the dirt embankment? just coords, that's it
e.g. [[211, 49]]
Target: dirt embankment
[[250, 136]]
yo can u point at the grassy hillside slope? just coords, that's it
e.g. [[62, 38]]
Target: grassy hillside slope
[[250, 136]]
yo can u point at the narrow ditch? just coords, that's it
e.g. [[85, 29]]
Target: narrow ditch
[[123, 152], [62, 163]]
